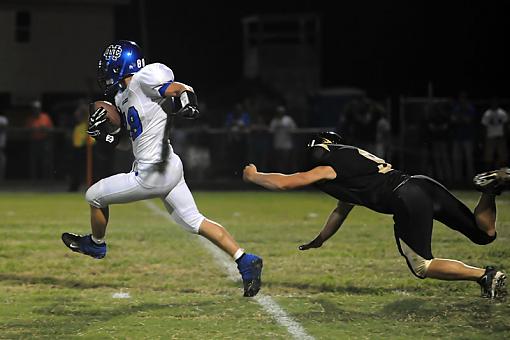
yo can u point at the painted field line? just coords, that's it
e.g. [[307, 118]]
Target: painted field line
[[265, 301]]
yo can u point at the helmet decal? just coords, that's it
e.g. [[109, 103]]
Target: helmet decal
[[324, 144], [112, 52]]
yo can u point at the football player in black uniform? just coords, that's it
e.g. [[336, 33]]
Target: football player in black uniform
[[356, 177]]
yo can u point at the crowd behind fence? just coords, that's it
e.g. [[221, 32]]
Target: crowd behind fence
[[447, 139], [452, 139]]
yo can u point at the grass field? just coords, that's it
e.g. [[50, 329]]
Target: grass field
[[356, 286]]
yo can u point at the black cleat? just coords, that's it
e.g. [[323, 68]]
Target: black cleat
[[250, 267], [493, 283], [84, 245], [493, 182]]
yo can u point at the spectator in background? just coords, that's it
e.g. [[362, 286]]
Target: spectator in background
[[259, 142], [80, 137], [463, 131], [237, 122], [3, 141], [238, 119], [40, 148], [439, 135], [345, 119], [363, 115], [383, 136], [495, 120], [282, 126]]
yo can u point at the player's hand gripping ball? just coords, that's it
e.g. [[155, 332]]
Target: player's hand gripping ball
[[104, 119]]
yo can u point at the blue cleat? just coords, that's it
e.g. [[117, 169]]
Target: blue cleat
[[250, 267], [84, 245]]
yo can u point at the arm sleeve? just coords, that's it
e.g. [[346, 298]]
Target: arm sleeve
[[154, 79]]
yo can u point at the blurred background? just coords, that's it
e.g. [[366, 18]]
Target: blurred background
[[423, 85]]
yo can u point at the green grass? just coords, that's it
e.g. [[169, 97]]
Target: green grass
[[355, 286]]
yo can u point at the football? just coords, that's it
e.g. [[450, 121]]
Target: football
[[112, 113]]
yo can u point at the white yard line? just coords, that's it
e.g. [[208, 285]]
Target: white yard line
[[265, 301]]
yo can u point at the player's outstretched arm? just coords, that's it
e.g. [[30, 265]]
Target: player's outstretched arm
[[278, 181], [333, 223]]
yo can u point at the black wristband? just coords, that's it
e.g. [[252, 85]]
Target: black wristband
[[112, 139]]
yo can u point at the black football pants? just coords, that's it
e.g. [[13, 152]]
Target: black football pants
[[421, 200]]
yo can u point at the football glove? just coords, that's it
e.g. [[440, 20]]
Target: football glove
[[97, 122], [101, 129], [189, 105], [189, 112]]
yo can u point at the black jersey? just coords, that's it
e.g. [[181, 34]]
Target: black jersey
[[361, 178]]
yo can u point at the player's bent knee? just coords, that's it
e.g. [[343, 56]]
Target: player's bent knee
[[485, 239], [189, 221], [93, 196], [417, 264]]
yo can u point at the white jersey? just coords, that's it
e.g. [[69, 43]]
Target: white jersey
[[145, 119]]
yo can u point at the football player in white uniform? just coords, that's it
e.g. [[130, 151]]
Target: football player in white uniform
[[140, 91]]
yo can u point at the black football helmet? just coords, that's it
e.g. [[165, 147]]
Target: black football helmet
[[322, 139], [318, 147]]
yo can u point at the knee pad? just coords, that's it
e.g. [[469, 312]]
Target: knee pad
[[93, 195], [417, 264]]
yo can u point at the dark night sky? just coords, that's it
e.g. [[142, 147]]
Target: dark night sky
[[385, 48]]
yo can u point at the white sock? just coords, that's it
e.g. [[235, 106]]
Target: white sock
[[238, 254], [97, 240]]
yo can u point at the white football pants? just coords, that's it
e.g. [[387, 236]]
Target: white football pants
[[144, 182]]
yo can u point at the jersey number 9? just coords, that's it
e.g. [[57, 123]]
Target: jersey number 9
[[134, 122]]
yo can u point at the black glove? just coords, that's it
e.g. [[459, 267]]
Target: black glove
[[101, 129], [97, 123], [189, 112], [189, 105]]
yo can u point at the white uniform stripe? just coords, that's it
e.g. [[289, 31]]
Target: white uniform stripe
[[265, 301]]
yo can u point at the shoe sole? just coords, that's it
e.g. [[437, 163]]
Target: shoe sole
[[71, 242], [499, 286], [253, 286], [483, 180]]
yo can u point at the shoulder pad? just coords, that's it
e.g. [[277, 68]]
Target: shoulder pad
[[152, 77]]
